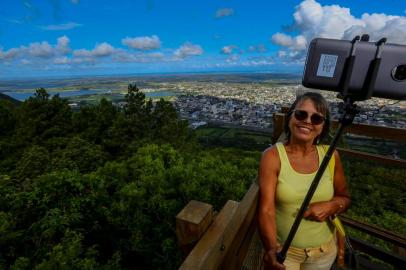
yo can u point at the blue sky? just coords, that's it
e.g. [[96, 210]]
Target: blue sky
[[86, 37]]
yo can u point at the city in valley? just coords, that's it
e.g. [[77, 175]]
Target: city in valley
[[238, 99]]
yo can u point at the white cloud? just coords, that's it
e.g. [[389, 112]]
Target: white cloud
[[101, 50], [232, 59], [25, 62], [62, 60], [311, 19], [63, 26], [63, 45], [43, 49], [224, 12], [257, 48], [188, 49], [142, 43], [125, 57], [9, 54], [282, 39], [228, 49]]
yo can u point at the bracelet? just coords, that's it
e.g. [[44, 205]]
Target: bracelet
[[340, 208]]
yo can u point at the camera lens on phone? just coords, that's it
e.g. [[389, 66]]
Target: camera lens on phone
[[399, 73]]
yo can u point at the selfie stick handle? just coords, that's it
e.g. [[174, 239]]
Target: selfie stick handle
[[350, 110]]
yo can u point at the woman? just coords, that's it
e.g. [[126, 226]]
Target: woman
[[285, 174]]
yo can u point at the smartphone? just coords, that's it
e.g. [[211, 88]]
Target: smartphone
[[326, 58]]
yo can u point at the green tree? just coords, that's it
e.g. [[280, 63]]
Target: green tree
[[7, 117], [41, 118], [34, 162], [80, 155]]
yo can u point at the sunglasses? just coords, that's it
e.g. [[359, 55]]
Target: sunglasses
[[315, 118]]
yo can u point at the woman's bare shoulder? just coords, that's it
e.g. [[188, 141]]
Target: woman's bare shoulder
[[270, 156]]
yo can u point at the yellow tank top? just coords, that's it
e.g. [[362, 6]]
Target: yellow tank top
[[291, 189]]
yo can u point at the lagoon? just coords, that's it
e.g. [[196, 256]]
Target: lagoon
[[21, 96]]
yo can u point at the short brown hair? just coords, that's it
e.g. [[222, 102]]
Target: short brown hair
[[321, 106]]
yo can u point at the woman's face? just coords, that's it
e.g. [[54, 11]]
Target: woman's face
[[304, 130]]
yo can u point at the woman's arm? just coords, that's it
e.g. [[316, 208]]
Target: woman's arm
[[320, 211], [341, 197], [268, 178]]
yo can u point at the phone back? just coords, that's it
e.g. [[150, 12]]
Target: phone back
[[324, 68]]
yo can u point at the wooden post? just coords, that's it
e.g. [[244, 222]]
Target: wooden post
[[278, 123], [209, 252], [191, 223]]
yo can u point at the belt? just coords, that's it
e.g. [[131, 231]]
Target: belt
[[308, 252]]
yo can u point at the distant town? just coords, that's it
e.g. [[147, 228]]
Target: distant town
[[254, 104], [238, 99]]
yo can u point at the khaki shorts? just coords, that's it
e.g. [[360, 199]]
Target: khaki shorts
[[314, 258]]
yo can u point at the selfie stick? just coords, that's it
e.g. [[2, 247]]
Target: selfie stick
[[349, 111]]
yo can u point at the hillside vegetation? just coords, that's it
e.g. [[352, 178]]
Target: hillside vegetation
[[99, 188]]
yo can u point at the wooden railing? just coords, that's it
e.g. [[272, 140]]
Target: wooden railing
[[226, 237], [222, 241]]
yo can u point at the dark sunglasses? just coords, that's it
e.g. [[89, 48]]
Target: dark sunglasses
[[315, 118]]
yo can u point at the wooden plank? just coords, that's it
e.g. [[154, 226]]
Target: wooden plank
[[373, 157], [191, 223], [378, 253], [388, 236], [390, 133], [210, 251], [253, 259], [278, 123], [247, 225]]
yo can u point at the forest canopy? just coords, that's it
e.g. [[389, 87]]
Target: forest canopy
[[99, 188]]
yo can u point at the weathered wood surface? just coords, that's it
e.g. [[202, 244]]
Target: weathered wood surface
[[191, 223], [210, 251], [225, 243], [278, 122], [246, 213], [373, 157], [397, 134], [387, 236]]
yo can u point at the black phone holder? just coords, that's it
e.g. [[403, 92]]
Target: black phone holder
[[348, 112]]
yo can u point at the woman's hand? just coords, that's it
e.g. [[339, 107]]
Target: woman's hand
[[270, 261], [319, 211]]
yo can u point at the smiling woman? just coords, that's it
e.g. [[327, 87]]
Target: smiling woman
[[285, 175]]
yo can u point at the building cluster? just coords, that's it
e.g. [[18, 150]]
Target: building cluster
[[253, 104]]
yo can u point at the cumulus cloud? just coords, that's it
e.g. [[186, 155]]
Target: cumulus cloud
[[232, 59], [228, 49], [25, 62], [59, 54], [63, 45], [9, 54], [126, 57], [62, 60], [142, 43], [100, 50], [59, 27], [223, 12], [41, 49], [257, 48], [103, 49], [188, 49], [311, 19]]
